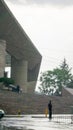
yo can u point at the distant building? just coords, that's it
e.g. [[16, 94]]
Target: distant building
[[23, 58]]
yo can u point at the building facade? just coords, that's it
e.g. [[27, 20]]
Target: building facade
[[25, 58]]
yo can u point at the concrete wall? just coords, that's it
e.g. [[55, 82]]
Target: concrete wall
[[2, 57], [31, 87], [19, 72]]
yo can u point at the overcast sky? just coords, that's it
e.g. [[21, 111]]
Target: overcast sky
[[42, 2], [49, 24]]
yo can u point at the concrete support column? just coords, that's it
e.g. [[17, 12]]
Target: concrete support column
[[2, 57], [19, 72]]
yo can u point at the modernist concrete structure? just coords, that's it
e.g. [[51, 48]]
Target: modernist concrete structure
[[25, 58]]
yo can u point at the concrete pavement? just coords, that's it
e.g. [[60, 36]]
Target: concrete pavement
[[36, 122]]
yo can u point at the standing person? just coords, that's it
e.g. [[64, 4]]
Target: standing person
[[50, 109]]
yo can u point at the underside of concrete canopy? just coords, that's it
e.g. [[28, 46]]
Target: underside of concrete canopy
[[25, 58]]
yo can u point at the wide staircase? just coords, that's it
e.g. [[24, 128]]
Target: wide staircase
[[12, 102]]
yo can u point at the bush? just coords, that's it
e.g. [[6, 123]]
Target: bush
[[6, 81]]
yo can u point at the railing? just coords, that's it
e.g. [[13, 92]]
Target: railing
[[63, 118]]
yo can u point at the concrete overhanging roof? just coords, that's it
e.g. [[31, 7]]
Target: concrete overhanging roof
[[18, 43]]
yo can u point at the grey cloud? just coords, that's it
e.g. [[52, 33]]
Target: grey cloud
[[16, 1], [54, 2], [43, 2]]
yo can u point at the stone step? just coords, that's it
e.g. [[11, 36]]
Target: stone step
[[12, 102]]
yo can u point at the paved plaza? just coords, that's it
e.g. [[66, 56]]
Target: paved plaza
[[36, 122]]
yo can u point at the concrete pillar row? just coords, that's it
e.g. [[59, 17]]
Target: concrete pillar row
[[2, 57], [19, 72]]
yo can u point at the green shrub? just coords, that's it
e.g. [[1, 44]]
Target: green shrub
[[1, 79], [7, 81]]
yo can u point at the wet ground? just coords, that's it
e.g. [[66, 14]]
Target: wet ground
[[36, 122]]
